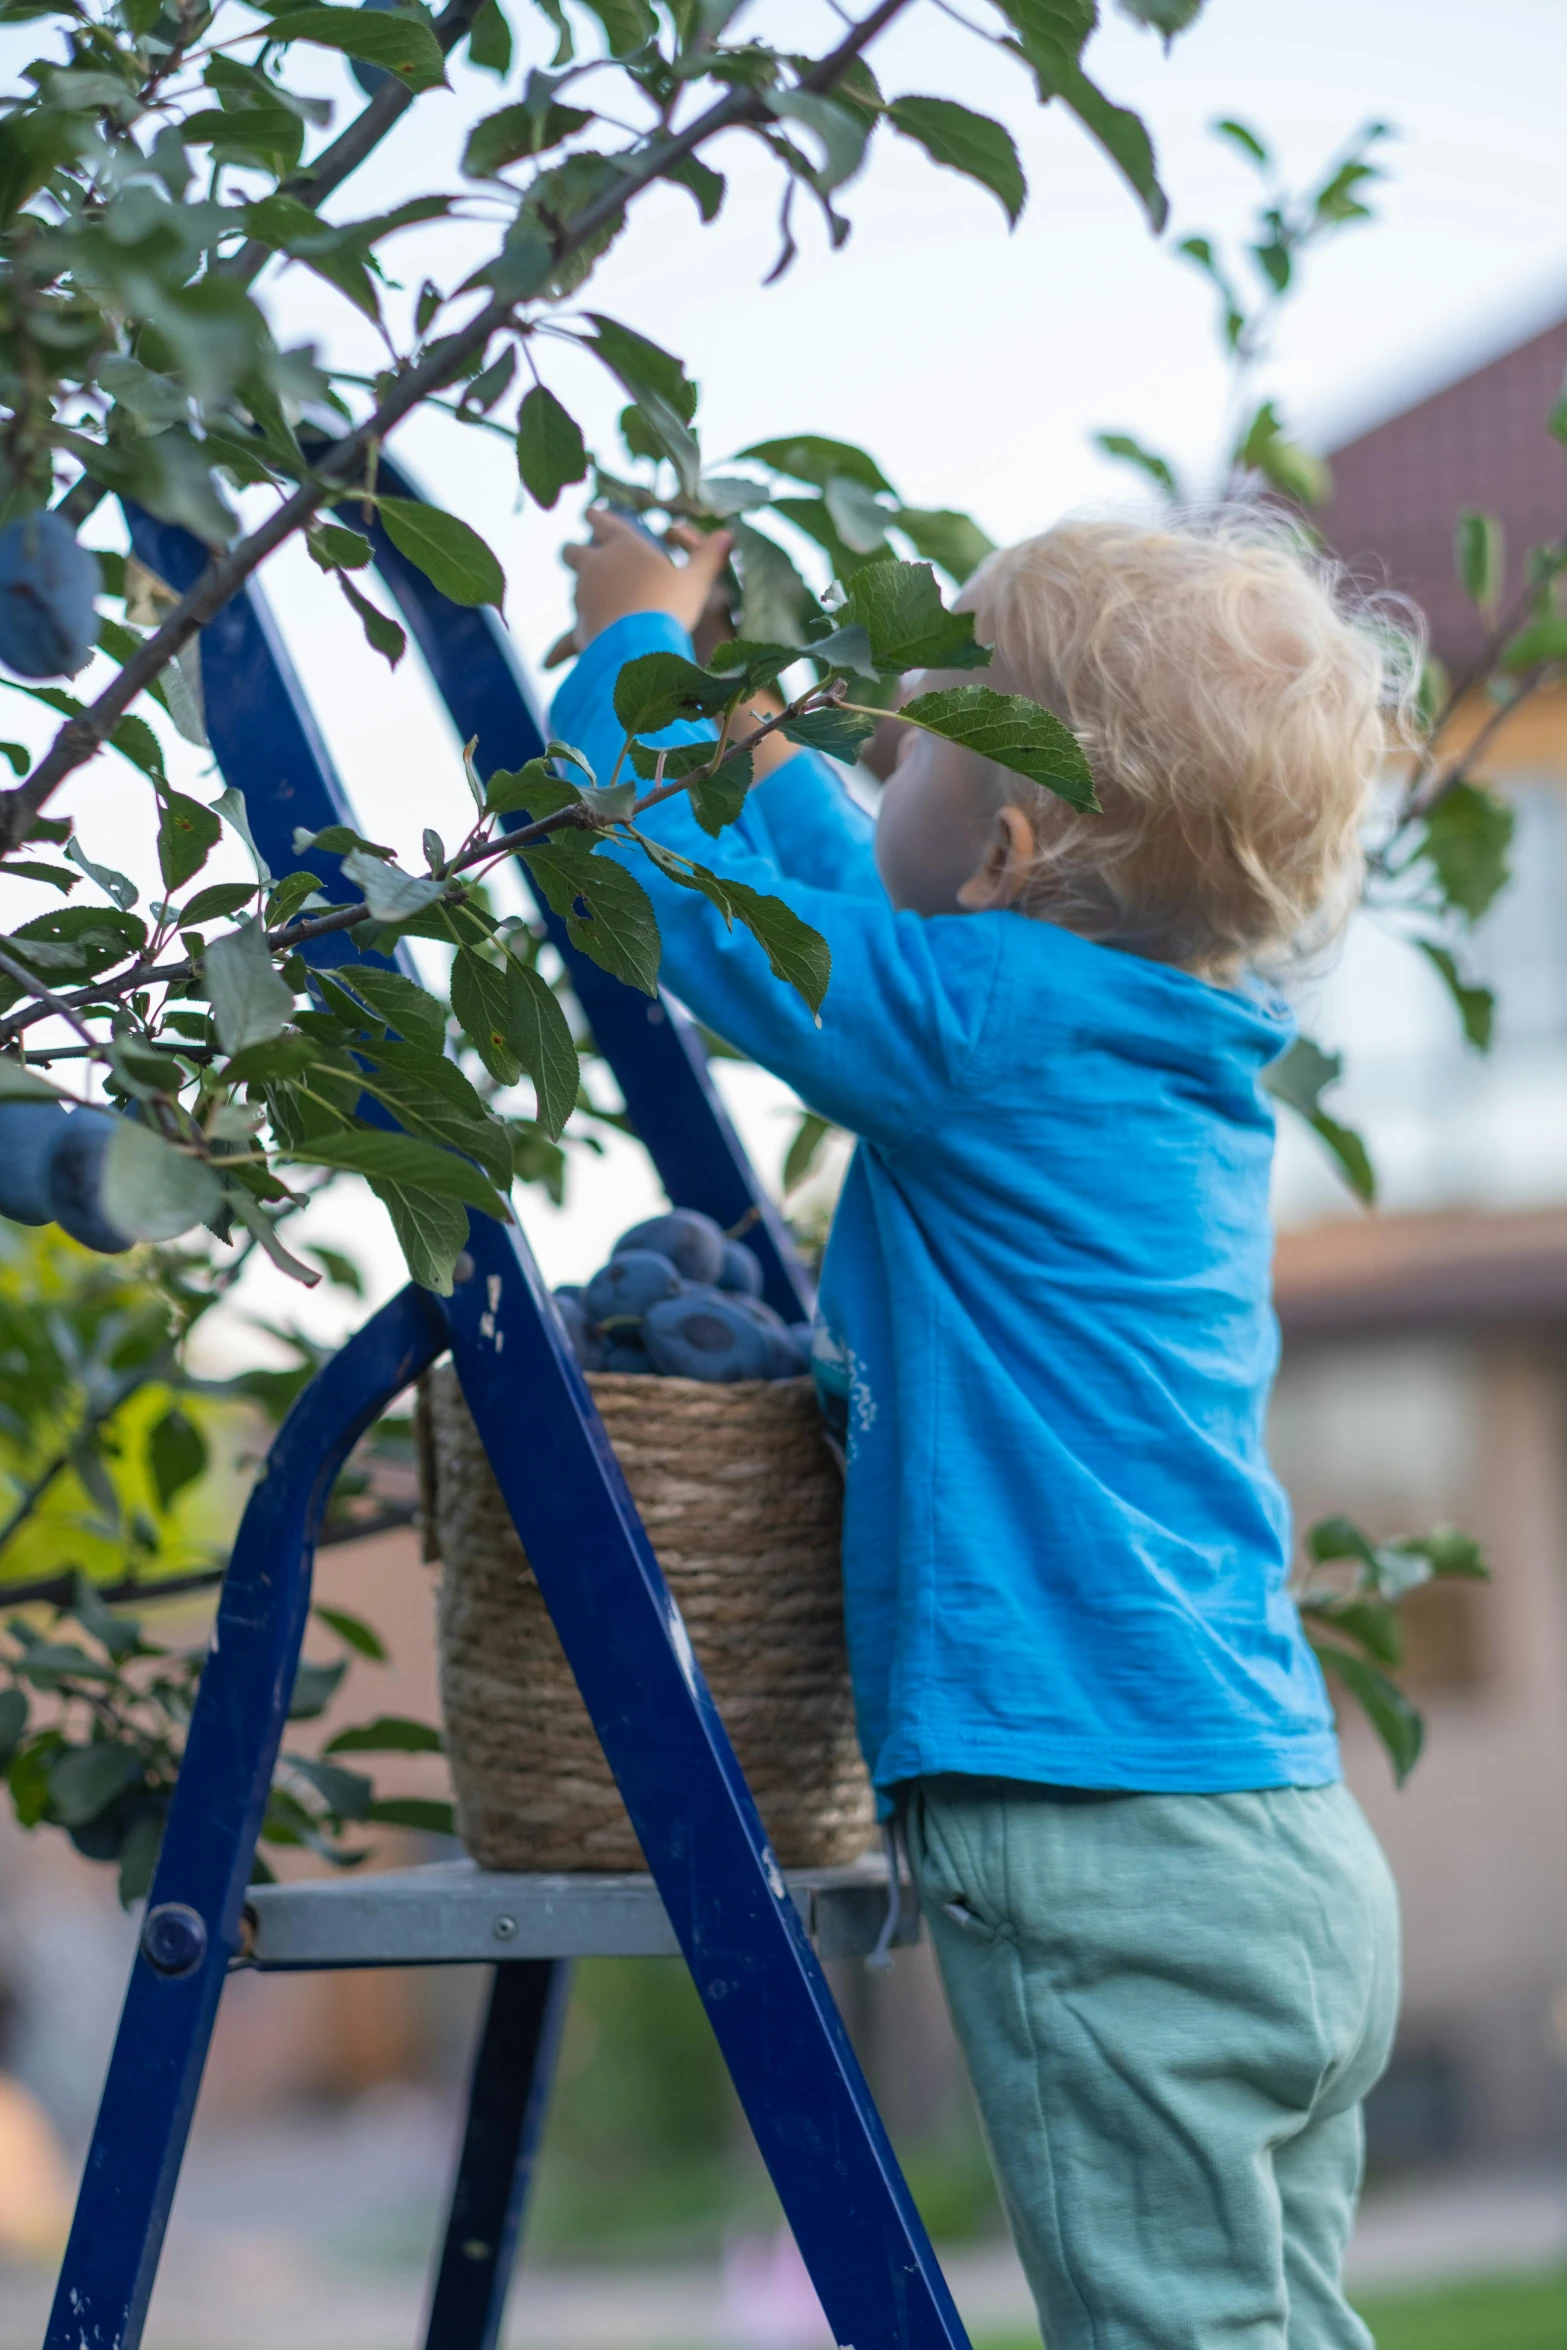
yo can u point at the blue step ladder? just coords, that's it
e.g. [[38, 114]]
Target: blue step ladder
[[715, 1892]]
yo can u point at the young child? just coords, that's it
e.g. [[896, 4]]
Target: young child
[[1169, 1939]]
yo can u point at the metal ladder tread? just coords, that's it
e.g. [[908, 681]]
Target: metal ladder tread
[[453, 1913]]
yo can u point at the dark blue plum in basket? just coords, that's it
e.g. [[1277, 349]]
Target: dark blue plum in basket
[[622, 1354], [29, 1132], [586, 1343], [781, 1359], [742, 1270], [76, 1171], [691, 1241], [628, 1285], [707, 1335]]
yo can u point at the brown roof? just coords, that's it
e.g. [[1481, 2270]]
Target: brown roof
[[1422, 1272], [1481, 442]]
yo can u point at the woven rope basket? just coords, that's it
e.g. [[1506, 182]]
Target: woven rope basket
[[742, 1503]]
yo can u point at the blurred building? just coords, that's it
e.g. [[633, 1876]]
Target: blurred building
[[1425, 1371]]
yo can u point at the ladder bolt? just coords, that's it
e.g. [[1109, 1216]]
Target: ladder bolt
[[174, 1938], [504, 1928]]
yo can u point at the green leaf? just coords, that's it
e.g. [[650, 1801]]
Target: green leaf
[[656, 689], [397, 1001], [1129, 451], [21, 1084], [176, 1454], [452, 556], [809, 1136], [58, 877], [217, 903], [291, 897], [315, 1686], [1467, 837], [1168, 17], [1245, 141], [834, 731], [1475, 1006], [230, 805], [402, 1158], [1014, 732], [954, 541], [187, 835], [397, 41], [1543, 641], [13, 1723], [515, 132], [719, 798], [857, 518], [1119, 131], [85, 1780], [250, 1001], [707, 186], [1298, 1077], [432, 1232], [115, 885], [540, 1036], [628, 24], [482, 1005], [607, 912], [134, 739], [841, 130], [1370, 1623], [430, 1096], [1265, 448], [139, 1854], [795, 953], [1388, 1710], [643, 366], [550, 450], [489, 43], [387, 1734], [391, 894], [775, 601], [534, 791], [382, 633], [346, 1794], [356, 1633], [151, 1191], [813, 458], [900, 608], [970, 143], [332, 548], [414, 1811]]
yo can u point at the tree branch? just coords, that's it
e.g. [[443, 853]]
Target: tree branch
[[82, 737]]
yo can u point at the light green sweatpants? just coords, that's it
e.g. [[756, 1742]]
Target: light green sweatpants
[[1171, 2007]]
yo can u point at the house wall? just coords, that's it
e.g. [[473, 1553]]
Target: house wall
[[1400, 1434]]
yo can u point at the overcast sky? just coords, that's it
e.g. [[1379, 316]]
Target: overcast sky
[[973, 363]]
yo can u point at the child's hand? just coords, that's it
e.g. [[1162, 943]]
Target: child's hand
[[622, 571]]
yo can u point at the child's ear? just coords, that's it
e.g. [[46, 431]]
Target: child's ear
[[1002, 874]]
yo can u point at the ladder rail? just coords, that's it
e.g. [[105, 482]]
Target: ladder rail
[[192, 1926], [773, 2014]]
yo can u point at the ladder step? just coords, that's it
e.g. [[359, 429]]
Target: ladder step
[[453, 1913]]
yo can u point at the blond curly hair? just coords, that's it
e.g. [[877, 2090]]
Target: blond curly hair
[[1236, 697]]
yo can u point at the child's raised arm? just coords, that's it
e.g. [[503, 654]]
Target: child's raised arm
[[907, 998]]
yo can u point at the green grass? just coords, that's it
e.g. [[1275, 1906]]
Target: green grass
[[1487, 2313], [1491, 2313]]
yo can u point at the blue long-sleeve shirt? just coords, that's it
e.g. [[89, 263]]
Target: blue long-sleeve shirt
[[1048, 1288]]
